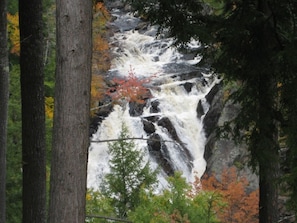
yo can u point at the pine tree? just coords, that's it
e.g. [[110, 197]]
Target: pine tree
[[129, 174]]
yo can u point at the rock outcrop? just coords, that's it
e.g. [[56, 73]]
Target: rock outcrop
[[222, 153]]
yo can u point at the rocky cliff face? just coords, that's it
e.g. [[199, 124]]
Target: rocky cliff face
[[222, 153]]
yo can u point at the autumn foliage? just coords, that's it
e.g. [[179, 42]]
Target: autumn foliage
[[13, 33], [131, 89], [100, 57], [49, 107], [206, 201], [98, 88], [242, 207]]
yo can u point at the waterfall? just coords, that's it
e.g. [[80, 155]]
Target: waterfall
[[177, 87]]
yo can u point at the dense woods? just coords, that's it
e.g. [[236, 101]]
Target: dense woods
[[250, 43], [4, 92]]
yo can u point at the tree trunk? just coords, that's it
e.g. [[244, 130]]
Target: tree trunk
[[72, 109], [268, 203], [268, 155], [33, 111], [269, 160], [3, 106]]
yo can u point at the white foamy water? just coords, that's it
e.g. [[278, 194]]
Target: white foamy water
[[149, 56]]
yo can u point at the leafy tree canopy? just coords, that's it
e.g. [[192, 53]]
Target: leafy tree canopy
[[249, 41]]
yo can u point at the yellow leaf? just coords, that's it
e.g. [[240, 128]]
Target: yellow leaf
[[49, 107]]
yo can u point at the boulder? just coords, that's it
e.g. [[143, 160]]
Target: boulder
[[154, 106], [180, 146], [215, 100], [188, 86], [148, 126], [136, 109], [159, 152], [199, 109]]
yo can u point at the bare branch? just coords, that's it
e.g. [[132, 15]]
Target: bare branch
[[108, 218], [101, 106], [132, 138], [287, 217]]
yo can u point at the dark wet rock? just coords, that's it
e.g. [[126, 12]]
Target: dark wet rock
[[104, 109], [94, 122], [213, 92], [190, 75], [148, 126], [209, 145], [152, 118], [136, 109], [180, 146], [210, 121], [215, 99], [154, 142], [154, 106], [159, 152], [184, 73], [188, 86], [166, 123], [200, 109]]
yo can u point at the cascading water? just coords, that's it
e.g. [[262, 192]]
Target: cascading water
[[169, 118]]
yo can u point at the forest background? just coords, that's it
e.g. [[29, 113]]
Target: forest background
[[100, 65]]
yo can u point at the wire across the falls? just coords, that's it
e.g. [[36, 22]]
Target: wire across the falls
[[132, 138]]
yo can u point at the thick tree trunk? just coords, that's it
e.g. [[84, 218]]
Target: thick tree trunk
[[268, 203], [269, 158], [268, 155], [3, 106], [72, 109], [33, 111]]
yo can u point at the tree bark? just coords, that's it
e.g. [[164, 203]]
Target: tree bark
[[268, 203], [269, 158], [4, 82], [33, 111], [268, 155], [72, 109]]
